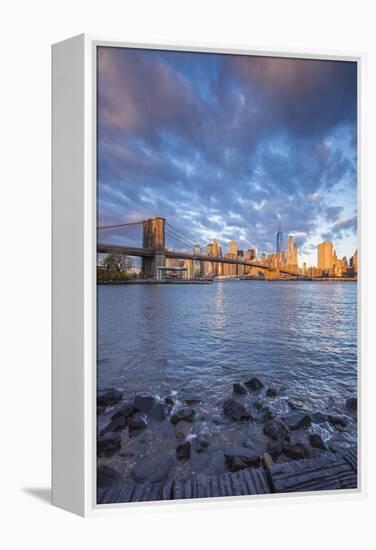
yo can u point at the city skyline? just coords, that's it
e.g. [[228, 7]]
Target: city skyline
[[231, 145]]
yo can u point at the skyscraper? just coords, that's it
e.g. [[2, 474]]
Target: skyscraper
[[325, 256], [279, 240], [290, 250]]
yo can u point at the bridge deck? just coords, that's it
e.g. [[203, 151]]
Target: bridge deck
[[326, 473]]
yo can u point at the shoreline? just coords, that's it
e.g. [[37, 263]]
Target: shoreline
[[209, 282]]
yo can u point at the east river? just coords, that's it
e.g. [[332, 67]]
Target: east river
[[195, 341]]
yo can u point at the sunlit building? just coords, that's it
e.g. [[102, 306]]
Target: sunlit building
[[325, 257]]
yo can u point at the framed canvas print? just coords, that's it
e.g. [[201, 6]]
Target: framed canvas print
[[206, 274]]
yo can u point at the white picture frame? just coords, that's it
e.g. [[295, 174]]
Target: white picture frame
[[74, 275]]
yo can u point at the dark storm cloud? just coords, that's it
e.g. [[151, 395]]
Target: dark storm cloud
[[225, 145]]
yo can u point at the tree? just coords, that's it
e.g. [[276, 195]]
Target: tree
[[117, 262]]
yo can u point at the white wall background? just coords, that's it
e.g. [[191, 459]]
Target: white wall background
[[27, 30]]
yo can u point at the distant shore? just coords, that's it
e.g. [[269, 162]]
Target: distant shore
[[208, 282]]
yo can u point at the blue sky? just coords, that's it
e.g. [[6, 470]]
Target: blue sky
[[229, 146]]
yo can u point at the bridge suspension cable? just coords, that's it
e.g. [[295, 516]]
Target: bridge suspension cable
[[118, 226]]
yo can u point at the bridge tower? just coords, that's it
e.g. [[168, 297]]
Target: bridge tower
[[153, 238]]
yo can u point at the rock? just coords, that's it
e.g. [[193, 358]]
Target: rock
[[152, 469], [108, 396], [201, 445], [276, 430], [267, 460], [339, 422], [191, 401], [296, 404], [297, 421], [107, 476], [254, 384], [115, 425], [258, 404], [266, 415], [169, 400], [125, 410], [239, 458], [143, 404], [183, 428], [239, 388], [185, 413], [317, 441], [108, 444], [297, 451], [157, 412], [136, 425], [235, 410], [271, 392], [318, 417], [274, 448], [352, 404], [183, 451]]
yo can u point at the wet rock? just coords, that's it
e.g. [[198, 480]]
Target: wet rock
[[190, 401], [271, 392], [254, 384], [239, 388], [185, 413], [201, 445], [339, 422], [317, 441], [266, 415], [108, 444], [143, 404], [239, 458], [276, 430], [125, 410], [235, 410], [274, 448], [108, 396], [352, 403], [136, 425], [169, 400], [297, 421], [318, 417], [297, 451], [218, 421], [258, 405], [267, 460], [157, 412], [183, 451], [183, 428], [116, 425], [296, 404], [153, 469], [107, 476]]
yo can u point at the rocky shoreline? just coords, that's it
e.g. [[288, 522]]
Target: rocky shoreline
[[153, 439]]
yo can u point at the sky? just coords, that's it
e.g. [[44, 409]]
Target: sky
[[229, 147]]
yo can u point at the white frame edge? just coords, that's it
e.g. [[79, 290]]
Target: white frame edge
[[74, 284]]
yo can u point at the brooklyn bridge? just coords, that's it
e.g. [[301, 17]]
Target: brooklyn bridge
[[154, 248]]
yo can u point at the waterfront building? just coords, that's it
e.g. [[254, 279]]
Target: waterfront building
[[198, 267], [279, 240], [290, 246], [325, 257], [241, 268]]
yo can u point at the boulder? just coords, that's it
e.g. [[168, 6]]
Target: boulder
[[318, 417], [153, 469], [297, 421], [274, 448], [271, 392], [125, 410], [184, 413], [296, 404], [276, 430], [317, 441], [258, 404], [352, 404], [254, 384], [191, 401], [266, 415], [143, 404], [136, 425], [183, 451], [182, 429], [108, 396], [201, 445], [235, 410], [115, 425], [339, 422], [239, 388], [169, 400], [157, 412], [107, 476], [239, 458], [297, 451], [108, 444]]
